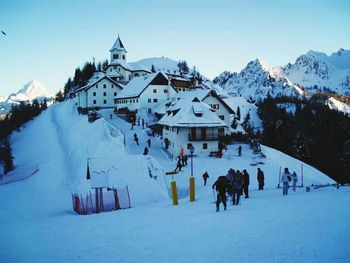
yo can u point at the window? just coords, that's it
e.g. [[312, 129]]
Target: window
[[94, 101], [205, 146], [104, 86], [104, 101], [155, 100], [165, 91], [222, 117], [154, 90], [96, 86], [104, 93], [110, 69], [149, 110], [214, 106], [149, 100], [137, 100], [130, 101], [124, 57], [115, 93], [112, 86], [137, 74], [94, 94], [189, 145]]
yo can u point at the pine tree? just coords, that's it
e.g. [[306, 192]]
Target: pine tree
[[8, 158], [153, 69], [238, 114]]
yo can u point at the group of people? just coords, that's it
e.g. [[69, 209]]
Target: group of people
[[182, 160], [148, 142], [133, 122], [235, 183]]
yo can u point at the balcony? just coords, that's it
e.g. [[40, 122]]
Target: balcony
[[203, 137]]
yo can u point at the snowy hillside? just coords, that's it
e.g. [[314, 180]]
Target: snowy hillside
[[312, 72], [31, 91], [160, 64], [37, 221]]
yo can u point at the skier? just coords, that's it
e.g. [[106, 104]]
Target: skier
[[149, 143], [285, 180], [236, 188], [179, 163], [145, 151], [246, 183], [230, 174], [136, 139], [239, 150], [221, 186], [143, 123], [261, 179], [205, 177], [294, 180]]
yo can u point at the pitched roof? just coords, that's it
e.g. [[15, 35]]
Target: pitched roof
[[97, 77], [194, 114], [138, 84], [118, 45]]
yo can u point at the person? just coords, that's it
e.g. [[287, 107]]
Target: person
[[221, 186], [205, 177], [230, 174], [245, 183], [111, 116], [136, 139], [149, 143], [285, 180], [239, 150], [236, 187], [179, 163], [143, 123], [185, 159], [261, 179], [294, 180], [145, 151]]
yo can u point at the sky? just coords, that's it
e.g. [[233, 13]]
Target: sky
[[46, 40]]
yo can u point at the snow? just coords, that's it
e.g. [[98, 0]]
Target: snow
[[31, 91], [188, 116], [137, 85], [38, 225], [338, 105]]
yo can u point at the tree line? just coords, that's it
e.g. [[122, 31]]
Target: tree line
[[19, 115], [312, 132]]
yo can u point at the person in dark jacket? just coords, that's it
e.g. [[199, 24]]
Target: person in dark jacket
[[205, 177], [261, 179], [145, 151], [221, 186], [136, 139], [236, 187], [179, 163], [245, 183]]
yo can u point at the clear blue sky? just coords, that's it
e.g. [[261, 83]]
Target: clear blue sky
[[47, 40]]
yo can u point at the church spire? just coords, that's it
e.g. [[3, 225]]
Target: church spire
[[118, 51]]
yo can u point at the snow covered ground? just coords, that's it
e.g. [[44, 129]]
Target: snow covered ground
[[37, 223]]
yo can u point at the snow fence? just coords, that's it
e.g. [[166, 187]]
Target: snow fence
[[113, 199]]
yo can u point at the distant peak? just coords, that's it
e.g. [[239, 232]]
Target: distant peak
[[258, 63]]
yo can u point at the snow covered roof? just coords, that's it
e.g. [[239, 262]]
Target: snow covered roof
[[138, 84], [183, 98], [194, 114], [118, 45], [97, 77]]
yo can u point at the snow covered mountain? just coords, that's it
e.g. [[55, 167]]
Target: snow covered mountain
[[31, 91], [160, 63], [312, 72], [318, 72], [256, 81]]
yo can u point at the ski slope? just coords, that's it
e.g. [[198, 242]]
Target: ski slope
[[37, 223]]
